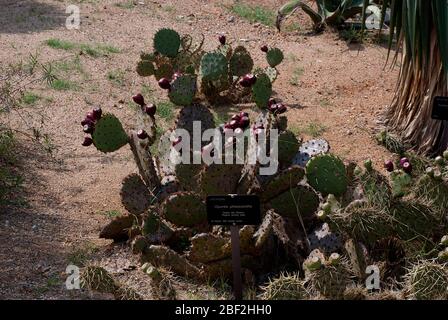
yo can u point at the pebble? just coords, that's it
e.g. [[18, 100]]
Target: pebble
[[231, 19]]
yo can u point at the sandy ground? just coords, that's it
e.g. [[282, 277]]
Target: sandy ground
[[341, 89]]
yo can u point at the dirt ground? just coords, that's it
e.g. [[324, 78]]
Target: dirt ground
[[334, 90]]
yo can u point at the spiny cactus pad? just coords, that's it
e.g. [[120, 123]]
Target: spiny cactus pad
[[220, 179], [272, 73], [189, 114], [167, 42], [213, 66], [428, 281], [98, 279], [327, 174], [288, 145], [331, 281], [183, 90], [401, 182], [301, 200], [274, 57], [284, 181], [262, 90], [310, 149], [155, 230], [134, 194], [184, 209], [241, 62], [188, 175], [145, 68], [109, 134], [285, 287], [164, 71]]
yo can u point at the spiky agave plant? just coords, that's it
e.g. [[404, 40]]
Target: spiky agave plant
[[421, 28]]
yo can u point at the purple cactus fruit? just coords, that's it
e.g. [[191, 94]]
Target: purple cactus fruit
[[271, 102], [90, 116], [86, 121], [243, 114], [264, 48], [87, 141], [244, 122], [97, 113], [389, 165], [273, 108], [141, 134], [236, 117], [164, 83], [403, 161], [88, 128], [176, 141], [233, 124], [251, 78], [245, 83], [138, 99], [407, 167], [150, 109], [281, 108], [222, 39]]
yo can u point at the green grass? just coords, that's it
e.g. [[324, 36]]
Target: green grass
[[313, 129], [296, 74], [92, 49], [60, 44], [117, 77], [165, 109], [254, 13], [64, 85], [125, 5], [30, 98], [81, 254], [111, 213], [69, 65]]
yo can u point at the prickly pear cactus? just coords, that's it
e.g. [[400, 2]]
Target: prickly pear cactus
[[214, 65], [327, 174], [183, 90], [167, 42], [274, 57], [109, 135], [262, 91]]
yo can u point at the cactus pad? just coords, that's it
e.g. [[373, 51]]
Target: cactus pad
[[109, 134], [428, 281], [97, 278], [188, 175], [135, 195], [285, 287], [184, 209], [241, 62], [284, 181], [164, 71], [167, 42], [287, 147], [189, 114], [220, 179], [272, 73], [327, 174], [145, 68], [183, 90], [310, 149], [301, 200], [262, 90], [401, 183], [274, 57], [155, 230], [213, 66]]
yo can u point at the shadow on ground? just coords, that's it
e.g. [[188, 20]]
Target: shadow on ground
[[28, 16]]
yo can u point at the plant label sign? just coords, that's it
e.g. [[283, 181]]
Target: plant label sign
[[440, 108], [234, 210]]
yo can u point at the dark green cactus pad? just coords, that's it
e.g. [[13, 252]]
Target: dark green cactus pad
[[155, 229], [207, 247], [301, 199], [135, 195], [151, 57], [241, 62], [376, 188], [284, 181], [288, 145], [226, 50], [188, 175], [272, 73], [145, 68], [331, 281], [262, 91], [220, 179], [109, 135], [164, 71], [183, 90], [167, 42], [327, 174], [281, 123], [401, 183], [434, 191], [189, 114], [184, 209], [274, 57], [213, 66]]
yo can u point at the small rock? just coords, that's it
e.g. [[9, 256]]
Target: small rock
[[231, 19], [349, 133]]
